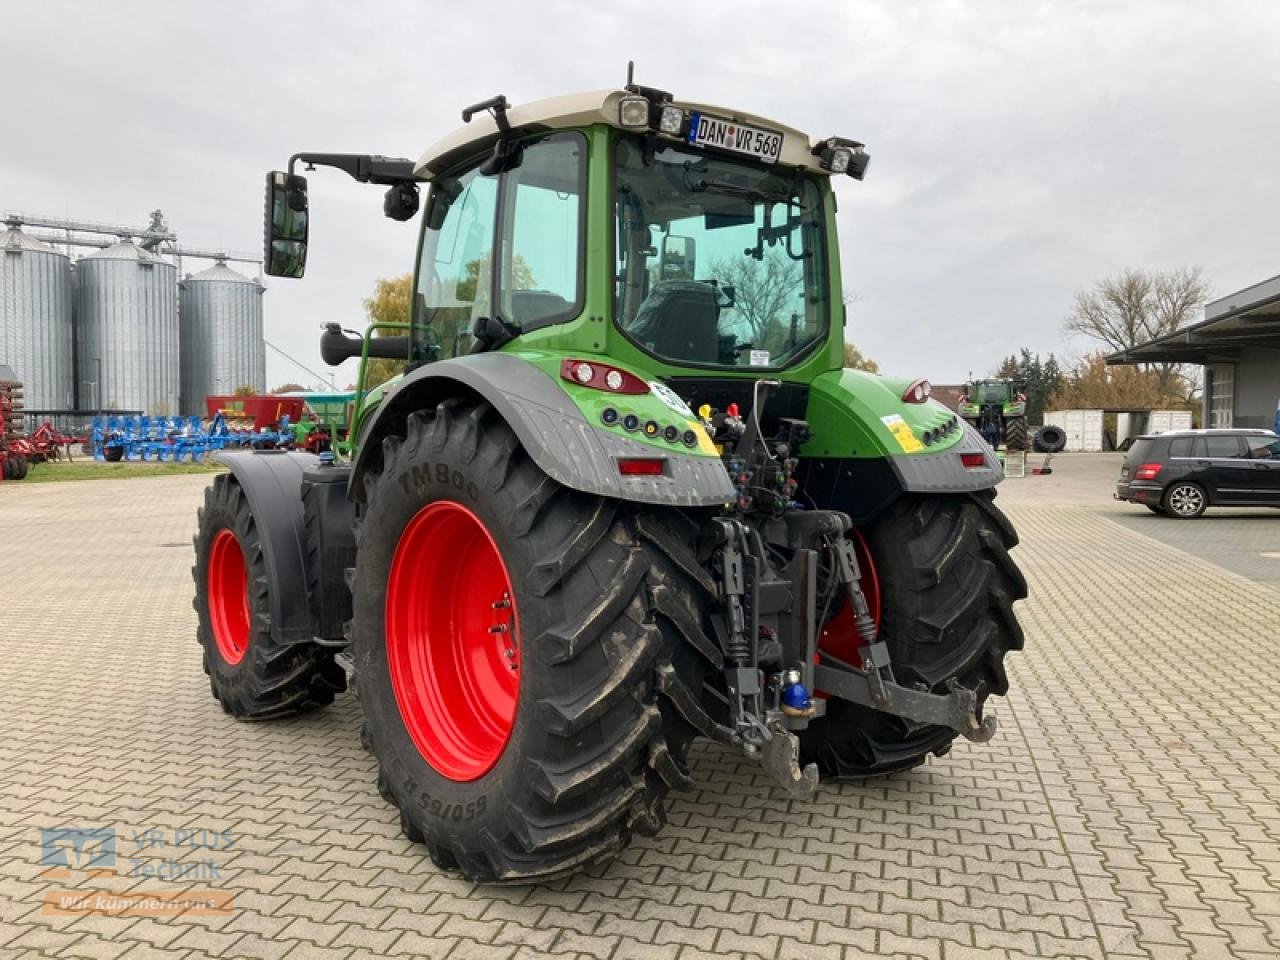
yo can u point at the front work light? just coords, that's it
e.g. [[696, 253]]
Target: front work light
[[633, 113], [671, 120], [838, 155], [837, 160]]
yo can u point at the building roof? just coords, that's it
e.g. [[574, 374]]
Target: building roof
[[584, 109], [1246, 318]]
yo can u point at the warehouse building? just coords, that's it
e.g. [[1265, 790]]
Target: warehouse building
[[1238, 345]]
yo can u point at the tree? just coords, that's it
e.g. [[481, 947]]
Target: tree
[[289, 388], [1041, 379], [1091, 384], [767, 295], [245, 390], [389, 304], [1137, 306], [855, 360]]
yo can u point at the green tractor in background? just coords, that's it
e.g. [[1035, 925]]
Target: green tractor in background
[[624, 498], [997, 409]]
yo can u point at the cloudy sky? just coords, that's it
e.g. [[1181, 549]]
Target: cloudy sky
[[1020, 150]]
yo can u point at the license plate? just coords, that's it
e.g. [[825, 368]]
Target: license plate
[[705, 131]]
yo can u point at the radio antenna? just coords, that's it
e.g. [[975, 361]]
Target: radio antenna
[[631, 69]]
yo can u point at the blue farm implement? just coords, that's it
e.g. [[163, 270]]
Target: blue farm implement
[[175, 439]]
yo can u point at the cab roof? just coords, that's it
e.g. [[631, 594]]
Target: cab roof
[[585, 109]]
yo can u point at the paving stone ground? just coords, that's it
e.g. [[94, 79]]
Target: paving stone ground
[[1128, 806]]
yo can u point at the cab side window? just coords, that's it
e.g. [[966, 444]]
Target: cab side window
[[532, 277], [542, 233], [455, 269]]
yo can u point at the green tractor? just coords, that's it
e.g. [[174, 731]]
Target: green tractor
[[624, 498], [997, 409]]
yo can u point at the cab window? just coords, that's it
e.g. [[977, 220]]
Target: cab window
[[455, 270], [532, 277], [542, 213]]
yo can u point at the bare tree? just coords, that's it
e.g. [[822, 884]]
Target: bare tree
[[1137, 306], [767, 293]]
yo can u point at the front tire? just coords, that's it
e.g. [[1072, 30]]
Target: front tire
[[250, 673], [558, 762], [946, 586]]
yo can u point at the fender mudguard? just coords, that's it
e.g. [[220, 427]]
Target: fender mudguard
[[559, 439], [272, 482]]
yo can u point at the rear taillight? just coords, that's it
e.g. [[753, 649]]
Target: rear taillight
[[601, 376], [972, 460], [918, 392], [641, 466], [1147, 471]]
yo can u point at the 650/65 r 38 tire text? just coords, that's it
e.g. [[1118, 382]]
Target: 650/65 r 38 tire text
[[250, 674], [944, 583], [519, 650]]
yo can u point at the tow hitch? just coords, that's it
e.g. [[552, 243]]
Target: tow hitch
[[956, 709]]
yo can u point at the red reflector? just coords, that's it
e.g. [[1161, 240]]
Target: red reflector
[[973, 459], [641, 466], [1148, 471]]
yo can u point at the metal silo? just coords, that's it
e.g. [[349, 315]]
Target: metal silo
[[222, 347], [126, 309], [35, 320]]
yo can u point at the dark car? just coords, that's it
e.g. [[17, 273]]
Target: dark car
[[1180, 473]]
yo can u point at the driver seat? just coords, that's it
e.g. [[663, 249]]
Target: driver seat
[[680, 320]]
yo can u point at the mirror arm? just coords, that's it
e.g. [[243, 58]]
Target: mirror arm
[[363, 167]]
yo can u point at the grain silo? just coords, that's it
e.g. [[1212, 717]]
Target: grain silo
[[127, 331], [35, 320], [220, 317]]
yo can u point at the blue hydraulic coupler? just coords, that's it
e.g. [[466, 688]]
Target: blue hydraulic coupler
[[795, 697]]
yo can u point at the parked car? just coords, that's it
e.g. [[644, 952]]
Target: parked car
[[1183, 472]]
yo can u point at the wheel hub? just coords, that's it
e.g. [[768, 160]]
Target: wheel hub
[[453, 647], [228, 588]]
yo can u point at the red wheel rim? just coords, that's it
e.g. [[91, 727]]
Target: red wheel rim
[[453, 646], [228, 597], [839, 637]]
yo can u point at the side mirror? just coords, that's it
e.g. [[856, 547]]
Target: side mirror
[[287, 215], [678, 260], [336, 346]]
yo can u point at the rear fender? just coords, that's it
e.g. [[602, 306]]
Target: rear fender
[[553, 430], [869, 446], [272, 483]]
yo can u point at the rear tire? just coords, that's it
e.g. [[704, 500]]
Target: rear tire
[[1186, 501], [250, 673], [113, 454], [604, 626], [947, 586], [1015, 434]]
